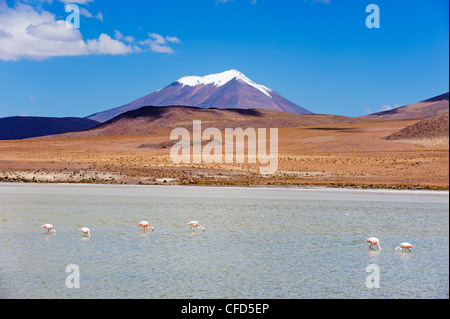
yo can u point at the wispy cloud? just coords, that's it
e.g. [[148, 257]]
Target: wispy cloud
[[120, 37], [158, 43], [383, 108], [30, 33], [386, 107], [367, 110], [85, 12]]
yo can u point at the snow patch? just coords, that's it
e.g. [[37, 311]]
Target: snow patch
[[222, 79]]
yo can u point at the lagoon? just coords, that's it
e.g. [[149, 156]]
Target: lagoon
[[259, 243]]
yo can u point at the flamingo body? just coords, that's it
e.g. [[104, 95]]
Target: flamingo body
[[145, 224], [86, 231], [195, 225], [50, 229], [374, 241], [404, 245]]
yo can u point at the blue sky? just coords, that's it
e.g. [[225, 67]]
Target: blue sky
[[318, 54]]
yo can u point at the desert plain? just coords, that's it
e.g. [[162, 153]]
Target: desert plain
[[348, 152]]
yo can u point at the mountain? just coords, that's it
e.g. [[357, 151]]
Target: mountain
[[20, 127], [149, 120], [226, 90], [434, 106]]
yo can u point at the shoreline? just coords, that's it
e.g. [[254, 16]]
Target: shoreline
[[211, 178], [226, 179], [324, 188]]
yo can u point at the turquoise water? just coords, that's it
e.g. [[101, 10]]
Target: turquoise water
[[258, 243]]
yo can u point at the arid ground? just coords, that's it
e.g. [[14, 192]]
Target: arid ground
[[340, 155]]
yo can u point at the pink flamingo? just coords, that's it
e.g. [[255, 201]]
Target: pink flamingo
[[404, 246], [373, 242], [49, 229], [195, 225], [145, 225], [86, 231]]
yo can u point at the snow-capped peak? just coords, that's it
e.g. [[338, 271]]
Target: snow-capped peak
[[223, 78]]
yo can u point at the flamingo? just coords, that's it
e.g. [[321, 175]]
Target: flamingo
[[86, 231], [145, 225], [373, 242], [404, 246], [49, 229], [195, 225]]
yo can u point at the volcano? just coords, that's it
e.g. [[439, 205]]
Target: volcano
[[226, 90]]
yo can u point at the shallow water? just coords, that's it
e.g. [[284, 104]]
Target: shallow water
[[258, 243]]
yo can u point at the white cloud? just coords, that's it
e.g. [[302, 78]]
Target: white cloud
[[386, 108], [99, 16], [173, 39], [158, 43], [383, 108], [119, 36], [53, 31], [85, 12], [30, 33], [106, 45]]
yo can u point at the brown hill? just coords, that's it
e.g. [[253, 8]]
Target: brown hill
[[432, 127], [434, 106], [154, 120], [20, 127]]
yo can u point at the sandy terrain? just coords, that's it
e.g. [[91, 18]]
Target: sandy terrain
[[427, 128], [345, 154]]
